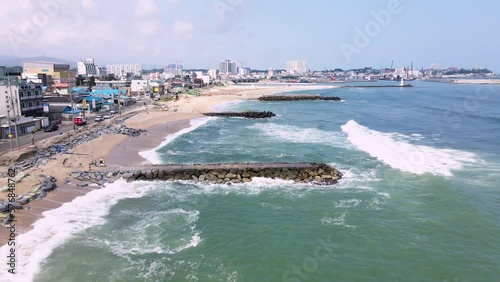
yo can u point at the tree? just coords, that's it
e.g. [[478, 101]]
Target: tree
[[110, 77], [80, 80], [92, 81]]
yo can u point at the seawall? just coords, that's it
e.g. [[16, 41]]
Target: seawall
[[317, 173]]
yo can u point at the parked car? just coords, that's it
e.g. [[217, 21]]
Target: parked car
[[99, 118], [51, 127], [80, 121], [113, 112], [106, 116]]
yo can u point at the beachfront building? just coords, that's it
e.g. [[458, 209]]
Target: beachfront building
[[296, 67], [58, 72], [139, 87], [30, 98], [19, 98], [121, 70], [228, 67]]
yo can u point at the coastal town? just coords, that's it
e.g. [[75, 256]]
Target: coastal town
[[40, 94]]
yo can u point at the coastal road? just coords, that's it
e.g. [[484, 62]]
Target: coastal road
[[25, 140]]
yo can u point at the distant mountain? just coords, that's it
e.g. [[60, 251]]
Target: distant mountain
[[10, 61]]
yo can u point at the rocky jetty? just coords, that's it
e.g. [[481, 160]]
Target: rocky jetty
[[317, 173], [273, 98], [39, 191], [244, 114]]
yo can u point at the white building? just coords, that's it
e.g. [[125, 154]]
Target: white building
[[228, 67], [296, 67], [212, 73], [244, 71], [87, 68], [139, 86], [121, 70], [270, 73]]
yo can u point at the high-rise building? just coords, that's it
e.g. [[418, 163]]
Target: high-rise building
[[228, 67], [173, 69], [296, 67], [121, 70], [87, 68]]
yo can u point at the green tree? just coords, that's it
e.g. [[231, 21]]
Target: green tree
[[80, 80], [92, 81]]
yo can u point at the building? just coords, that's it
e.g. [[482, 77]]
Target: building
[[139, 86], [58, 72], [113, 83], [228, 67], [296, 67], [212, 73], [18, 98], [270, 73], [101, 71], [87, 68], [245, 71], [173, 69], [121, 70], [31, 99]]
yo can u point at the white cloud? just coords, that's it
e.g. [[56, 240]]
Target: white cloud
[[182, 29], [88, 4], [145, 8], [149, 28]]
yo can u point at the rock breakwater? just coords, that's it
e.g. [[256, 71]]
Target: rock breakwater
[[272, 98], [317, 173], [245, 114]]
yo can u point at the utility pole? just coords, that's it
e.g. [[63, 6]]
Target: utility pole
[[72, 103], [8, 118], [15, 117]]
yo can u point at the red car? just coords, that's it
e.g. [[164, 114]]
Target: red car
[[80, 121]]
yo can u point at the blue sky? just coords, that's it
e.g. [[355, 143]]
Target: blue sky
[[263, 34]]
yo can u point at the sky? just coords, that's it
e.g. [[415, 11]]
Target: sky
[[260, 33]]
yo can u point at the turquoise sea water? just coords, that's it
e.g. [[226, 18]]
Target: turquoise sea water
[[419, 202]]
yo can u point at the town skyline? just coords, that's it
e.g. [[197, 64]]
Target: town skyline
[[263, 35]]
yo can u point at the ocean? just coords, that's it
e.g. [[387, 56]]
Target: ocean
[[419, 201]]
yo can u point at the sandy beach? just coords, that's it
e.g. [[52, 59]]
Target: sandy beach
[[120, 150]]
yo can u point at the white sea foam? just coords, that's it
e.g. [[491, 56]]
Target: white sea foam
[[393, 151], [350, 203], [152, 155], [148, 233], [295, 134], [338, 221], [58, 225]]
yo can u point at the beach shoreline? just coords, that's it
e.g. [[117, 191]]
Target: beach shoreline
[[121, 150]]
